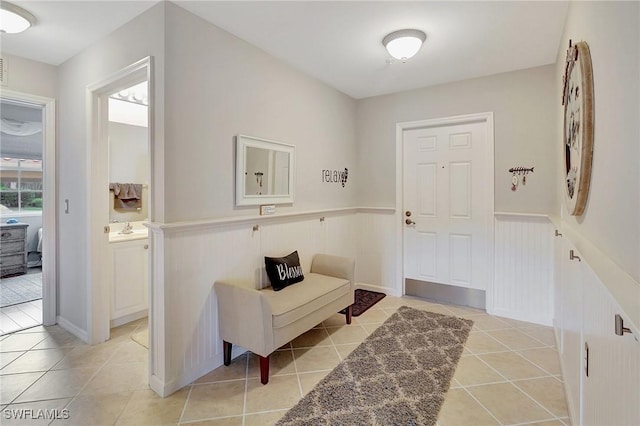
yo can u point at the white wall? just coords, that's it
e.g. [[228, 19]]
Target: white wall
[[607, 235], [611, 220], [222, 86], [524, 117], [141, 37], [32, 77]]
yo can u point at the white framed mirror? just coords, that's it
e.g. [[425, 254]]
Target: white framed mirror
[[264, 171]]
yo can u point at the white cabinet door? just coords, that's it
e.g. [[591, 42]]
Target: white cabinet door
[[571, 351], [130, 277], [611, 391]]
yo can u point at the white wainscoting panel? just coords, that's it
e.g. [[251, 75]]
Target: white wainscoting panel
[[188, 258], [558, 305], [523, 280], [341, 235], [194, 261], [572, 301], [280, 239], [611, 391], [377, 257]]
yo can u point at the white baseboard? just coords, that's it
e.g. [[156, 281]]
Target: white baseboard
[[165, 389], [128, 318], [519, 317], [158, 386], [380, 289], [73, 329]]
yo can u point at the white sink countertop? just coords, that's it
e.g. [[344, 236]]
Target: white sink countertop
[[140, 232]]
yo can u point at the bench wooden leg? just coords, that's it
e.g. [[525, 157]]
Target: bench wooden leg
[[226, 350], [264, 369], [349, 315]]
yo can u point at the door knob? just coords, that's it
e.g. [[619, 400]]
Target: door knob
[[409, 222]]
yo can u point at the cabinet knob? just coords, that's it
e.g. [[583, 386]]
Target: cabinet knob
[[146, 246]]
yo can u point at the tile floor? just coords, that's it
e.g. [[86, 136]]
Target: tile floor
[[509, 374], [20, 316], [21, 301]]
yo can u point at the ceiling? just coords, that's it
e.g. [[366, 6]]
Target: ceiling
[[337, 42], [65, 28], [23, 147]]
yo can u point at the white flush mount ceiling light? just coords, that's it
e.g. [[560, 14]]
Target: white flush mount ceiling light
[[14, 19], [404, 44]]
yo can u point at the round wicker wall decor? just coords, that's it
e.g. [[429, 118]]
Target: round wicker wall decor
[[577, 98]]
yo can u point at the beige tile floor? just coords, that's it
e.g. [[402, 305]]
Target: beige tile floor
[[20, 316], [509, 374]]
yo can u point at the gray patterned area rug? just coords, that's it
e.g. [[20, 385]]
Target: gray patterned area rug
[[399, 375]]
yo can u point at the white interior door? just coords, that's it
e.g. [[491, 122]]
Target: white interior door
[[446, 239]]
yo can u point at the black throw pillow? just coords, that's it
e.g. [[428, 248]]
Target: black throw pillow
[[283, 271]]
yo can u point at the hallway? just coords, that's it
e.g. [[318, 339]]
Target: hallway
[[509, 374]]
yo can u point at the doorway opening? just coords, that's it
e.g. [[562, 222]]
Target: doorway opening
[[27, 212], [120, 198], [129, 161]]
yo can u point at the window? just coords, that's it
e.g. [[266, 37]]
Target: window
[[20, 186]]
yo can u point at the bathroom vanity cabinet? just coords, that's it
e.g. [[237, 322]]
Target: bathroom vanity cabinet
[[129, 296]]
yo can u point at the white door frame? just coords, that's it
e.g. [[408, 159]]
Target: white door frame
[[486, 117], [49, 200], [98, 290]]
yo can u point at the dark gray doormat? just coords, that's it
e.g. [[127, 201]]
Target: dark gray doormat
[[364, 299]]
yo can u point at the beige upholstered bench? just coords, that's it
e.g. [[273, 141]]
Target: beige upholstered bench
[[262, 320]]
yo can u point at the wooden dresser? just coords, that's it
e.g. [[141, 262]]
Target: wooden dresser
[[13, 249]]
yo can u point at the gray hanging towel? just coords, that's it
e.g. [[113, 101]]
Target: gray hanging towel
[[127, 196]]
